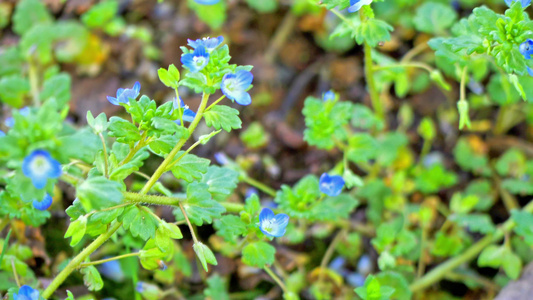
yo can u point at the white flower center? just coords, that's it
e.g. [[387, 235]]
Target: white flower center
[[39, 165]]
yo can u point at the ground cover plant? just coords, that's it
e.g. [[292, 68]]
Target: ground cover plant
[[213, 149]]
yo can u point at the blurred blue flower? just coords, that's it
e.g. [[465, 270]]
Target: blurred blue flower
[[364, 266], [124, 95], [273, 225], [355, 279], [188, 115], [523, 2], [26, 292], [112, 270], [207, 2], [43, 204], [10, 122], [39, 166], [197, 60], [355, 5], [209, 43], [2, 133], [221, 158], [526, 48], [331, 185], [234, 86], [329, 96], [337, 265], [251, 191]]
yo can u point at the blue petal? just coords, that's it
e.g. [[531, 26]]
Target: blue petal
[[530, 71], [2, 133], [207, 2], [26, 293], [244, 79], [137, 87], [188, 115], [112, 270], [43, 204], [266, 215], [355, 5], [209, 43], [39, 177], [364, 266], [112, 100], [9, 122], [243, 98], [329, 96], [331, 185]]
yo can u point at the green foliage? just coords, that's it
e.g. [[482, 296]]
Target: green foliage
[[372, 32], [266, 6], [433, 17], [221, 182], [373, 290], [29, 13], [258, 254], [170, 77], [140, 222], [199, 206], [254, 136], [501, 256], [76, 230], [92, 279], [189, 166], [222, 116], [434, 179], [524, 225], [99, 192], [216, 288], [205, 255], [213, 15]]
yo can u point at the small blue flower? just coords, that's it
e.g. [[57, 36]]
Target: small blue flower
[[221, 158], [329, 96], [188, 114], [331, 185], [207, 2], [273, 225], [197, 60], [523, 2], [43, 204], [364, 266], [10, 122], [355, 5], [112, 270], [210, 44], [26, 292], [124, 95], [2, 133], [526, 48], [39, 166], [234, 86]]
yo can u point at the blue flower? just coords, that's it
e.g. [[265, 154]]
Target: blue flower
[[355, 5], [43, 204], [188, 115], [234, 86], [39, 166], [207, 2], [331, 185], [197, 60], [523, 2], [112, 270], [526, 48], [26, 292], [364, 266], [273, 225], [10, 122], [329, 96], [2, 133], [124, 95], [209, 43]]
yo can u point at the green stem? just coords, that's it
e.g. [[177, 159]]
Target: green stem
[[261, 186], [329, 254], [445, 268], [183, 155], [189, 224], [462, 95], [369, 75], [106, 171], [276, 278], [134, 151], [181, 110], [97, 262], [164, 165], [405, 65], [34, 83], [76, 261], [232, 207], [215, 103], [136, 198]]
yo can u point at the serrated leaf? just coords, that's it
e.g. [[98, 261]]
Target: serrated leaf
[[92, 279], [230, 227], [258, 254], [432, 17], [216, 288], [481, 223], [199, 206], [190, 167], [372, 32], [205, 255], [221, 181], [124, 131], [99, 192], [334, 208], [29, 13], [76, 230], [222, 116], [139, 222]]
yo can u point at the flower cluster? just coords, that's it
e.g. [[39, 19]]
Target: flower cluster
[[526, 48]]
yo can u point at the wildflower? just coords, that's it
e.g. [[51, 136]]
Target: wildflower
[[234, 86], [197, 60], [39, 166], [10, 122], [26, 292], [188, 115], [207, 2], [43, 204], [329, 96], [221, 158], [355, 5], [364, 266], [209, 43], [273, 225], [2, 133], [112, 270], [523, 2], [124, 95], [526, 48], [331, 185]]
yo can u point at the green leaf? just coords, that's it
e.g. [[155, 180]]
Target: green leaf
[[222, 116], [230, 227], [100, 14], [361, 147], [434, 179], [372, 32], [447, 244], [205, 255], [29, 13], [463, 204], [92, 279], [57, 87], [98, 193], [151, 256], [364, 118], [120, 173], [163, 145], [199, 206], [165, 232], [163, 126], [139, 222], [341, 4], [522, 186], [98, 124], [265, 6], [396, 281], [481, 223], [433, 17], [324, 121], [334, 208], [76, 230], [217, 288], [124, 131], [373, 290], [190, 167], [427, 129], [524, 225], [13, 89], [512, 265], [258, 254], [221, 181], [213, 15], [254, 136]]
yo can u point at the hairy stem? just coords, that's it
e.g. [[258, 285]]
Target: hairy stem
[[188, 223], [259, 185], [276, 278], [136, 198], [97, 262]]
